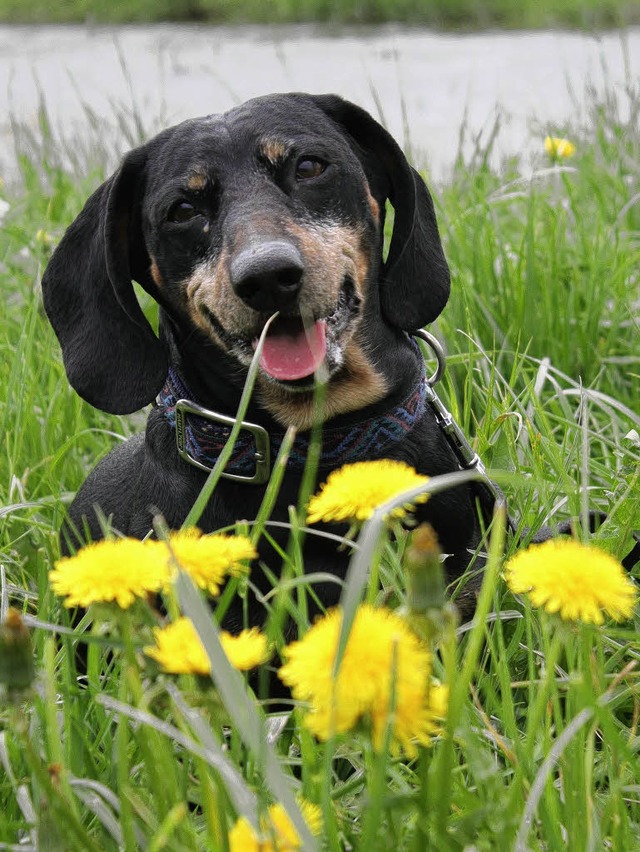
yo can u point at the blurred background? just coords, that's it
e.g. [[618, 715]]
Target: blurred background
[[453, 80], [446, 14]]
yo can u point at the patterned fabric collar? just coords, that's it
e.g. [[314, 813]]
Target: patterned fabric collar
[[201, 439]]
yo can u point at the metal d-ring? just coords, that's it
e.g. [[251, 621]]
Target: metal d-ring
[[433, 344]]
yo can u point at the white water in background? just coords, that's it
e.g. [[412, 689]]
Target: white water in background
[[423, 85]]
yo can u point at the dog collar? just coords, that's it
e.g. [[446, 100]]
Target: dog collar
[[201, 434]]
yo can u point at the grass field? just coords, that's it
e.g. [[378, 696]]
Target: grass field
[[539, 745], [459, 14]]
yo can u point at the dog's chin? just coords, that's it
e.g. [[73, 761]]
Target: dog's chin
[[322, 340], [299, 386]]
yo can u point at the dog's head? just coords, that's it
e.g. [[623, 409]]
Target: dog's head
[[277, 205]]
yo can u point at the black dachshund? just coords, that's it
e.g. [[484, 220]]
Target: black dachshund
[[275, 206]]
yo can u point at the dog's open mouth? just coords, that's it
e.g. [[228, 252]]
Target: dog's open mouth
[[292, 350], [295, 348]]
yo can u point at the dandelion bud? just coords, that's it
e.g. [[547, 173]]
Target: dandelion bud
[[428, 611], [424, 572], [16, 653]]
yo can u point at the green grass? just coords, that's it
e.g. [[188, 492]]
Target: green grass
[[464, 14], [540, 747]]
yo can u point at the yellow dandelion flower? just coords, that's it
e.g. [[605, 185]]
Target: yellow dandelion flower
[[242, 838], [312, 815], [123, 569], [246, 650], [438, 706], [179, 650], [580, 582], [208, 559], [354, 491], [558, 148], [111, 571], [367, 678], [277, 832]]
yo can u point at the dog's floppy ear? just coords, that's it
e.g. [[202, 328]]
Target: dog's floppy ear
[[111, 355], [415, 278]]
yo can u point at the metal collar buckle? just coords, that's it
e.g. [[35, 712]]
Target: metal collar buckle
[[260, 435]]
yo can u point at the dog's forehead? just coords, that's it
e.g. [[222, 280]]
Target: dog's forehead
[[272, 126], [287, 113]]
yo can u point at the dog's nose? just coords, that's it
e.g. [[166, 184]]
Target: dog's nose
[[268, 276]]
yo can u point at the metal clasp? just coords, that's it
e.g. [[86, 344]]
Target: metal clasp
[[260, 435], [465, 455]]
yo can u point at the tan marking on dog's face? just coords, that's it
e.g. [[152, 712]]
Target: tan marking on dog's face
[[209, 291], [197, 181], [331, 253], [374, 206], [155, 273], [356, 386], [273, 150], [197, 294]]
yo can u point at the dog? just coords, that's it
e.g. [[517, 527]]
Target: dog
[[277, 206]]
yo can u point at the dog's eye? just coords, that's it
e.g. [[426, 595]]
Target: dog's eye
[[182, 211], [308, 167]]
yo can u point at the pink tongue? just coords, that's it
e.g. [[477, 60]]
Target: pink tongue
[[296, 354]]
